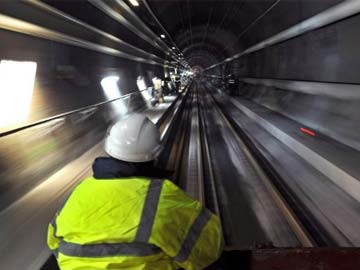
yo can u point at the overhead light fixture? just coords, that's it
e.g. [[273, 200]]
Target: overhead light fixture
[[141, 83], [112, 91], [135, 3], [110, 87], [17, 80], [142, 87], [173, 48], [162, 36]]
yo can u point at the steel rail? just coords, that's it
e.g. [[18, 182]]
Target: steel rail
[[194, 167], [180, 148], [208, 164], [294, 222], [199, 151], [172, 112], [172, 139]]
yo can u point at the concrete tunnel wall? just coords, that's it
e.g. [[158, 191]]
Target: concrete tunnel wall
[[327, 55], [67, 78]]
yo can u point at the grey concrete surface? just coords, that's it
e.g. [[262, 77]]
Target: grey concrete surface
[[250, 215], [334, 210]]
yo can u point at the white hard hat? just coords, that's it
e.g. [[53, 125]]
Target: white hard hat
[[134, 139]]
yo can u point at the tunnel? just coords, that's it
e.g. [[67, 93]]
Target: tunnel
[[257, 103]]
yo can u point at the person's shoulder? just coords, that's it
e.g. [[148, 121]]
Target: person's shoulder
[[170, 186], [169, 183]]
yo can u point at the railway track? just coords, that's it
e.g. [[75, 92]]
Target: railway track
[[201, 146], [296, 226], [258, 211], [260, 204]]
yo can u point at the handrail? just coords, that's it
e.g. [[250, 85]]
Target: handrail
[[43, 121], [125, 16], [166, 113], [24, 27], [55, 12]]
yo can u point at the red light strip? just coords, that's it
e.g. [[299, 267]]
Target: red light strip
[[308, 132]]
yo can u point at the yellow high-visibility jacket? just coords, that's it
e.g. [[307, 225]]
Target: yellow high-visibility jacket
[[133, 223]]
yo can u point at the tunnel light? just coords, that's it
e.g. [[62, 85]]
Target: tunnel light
[[110, 87], [112, 91], [157, 83], [16, 89], [120, 107], [135, 3], [162, 36], [141, 84], [173, 48]]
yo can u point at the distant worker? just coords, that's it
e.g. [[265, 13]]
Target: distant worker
[[232, 85], [170, 85], [166, 85], [158, 90], [127, 216], [177, 83]]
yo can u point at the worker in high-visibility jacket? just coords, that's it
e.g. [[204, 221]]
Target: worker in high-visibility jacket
[[127, 216]]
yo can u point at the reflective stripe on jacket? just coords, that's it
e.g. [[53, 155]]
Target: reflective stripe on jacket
[[133, 223]]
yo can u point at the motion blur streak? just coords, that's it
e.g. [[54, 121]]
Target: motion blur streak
[[16, 89], [134, 3], [112, 91]]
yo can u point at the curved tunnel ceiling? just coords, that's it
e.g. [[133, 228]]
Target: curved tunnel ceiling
[[207, 32]]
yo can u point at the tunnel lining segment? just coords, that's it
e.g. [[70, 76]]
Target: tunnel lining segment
[[331, 15], [344, 91], [62, 15], [339, 177]]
